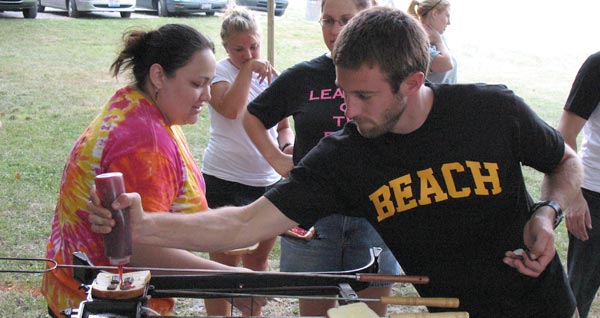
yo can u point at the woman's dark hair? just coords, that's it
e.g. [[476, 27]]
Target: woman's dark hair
[[171, 46]]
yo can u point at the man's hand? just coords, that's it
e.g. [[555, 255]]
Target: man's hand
[[101, 218], [578, 218], [538, 236]]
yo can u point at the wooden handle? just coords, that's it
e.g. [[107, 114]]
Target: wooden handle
[[377, 278], [458, 314], [422, 301]]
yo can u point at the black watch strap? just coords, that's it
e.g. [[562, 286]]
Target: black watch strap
[[558, 216]]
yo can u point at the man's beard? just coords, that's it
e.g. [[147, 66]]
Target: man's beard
[[390, 117]]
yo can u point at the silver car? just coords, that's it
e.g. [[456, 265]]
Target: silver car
[[28, 7], [261, 5], [76, 7], [167, 8]]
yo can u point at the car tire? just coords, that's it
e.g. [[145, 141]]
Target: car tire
[[210, 13], [125, 14], [30, 13], [162, 8], [279, 13], [41, 8], [72, 9]]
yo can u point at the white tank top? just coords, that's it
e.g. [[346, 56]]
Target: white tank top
[[230, 154], [590, 151]]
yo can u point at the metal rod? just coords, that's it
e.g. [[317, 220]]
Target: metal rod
[[362, 277], [19, 259]]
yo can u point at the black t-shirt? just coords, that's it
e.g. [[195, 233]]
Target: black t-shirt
[[448, 199], [306, 91], [585, 92]]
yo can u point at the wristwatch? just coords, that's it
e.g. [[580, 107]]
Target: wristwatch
[[558, 216]]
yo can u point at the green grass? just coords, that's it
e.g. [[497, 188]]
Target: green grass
[[54, 78]]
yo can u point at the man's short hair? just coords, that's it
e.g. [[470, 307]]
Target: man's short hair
[[387, 37]]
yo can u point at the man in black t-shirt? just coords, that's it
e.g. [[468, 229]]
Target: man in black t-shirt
[[582, 113], [435, 168]]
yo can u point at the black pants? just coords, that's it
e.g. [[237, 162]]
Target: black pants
[[583, 260]]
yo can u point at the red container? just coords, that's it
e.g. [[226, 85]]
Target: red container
[[117, 243]]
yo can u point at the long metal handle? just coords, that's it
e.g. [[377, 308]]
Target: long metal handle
[[25, 260], [362, 277]]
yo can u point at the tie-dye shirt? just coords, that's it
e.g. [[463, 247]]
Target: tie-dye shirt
[[131, 136]]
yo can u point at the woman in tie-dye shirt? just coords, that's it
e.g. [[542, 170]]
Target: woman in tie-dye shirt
[[137, 133]]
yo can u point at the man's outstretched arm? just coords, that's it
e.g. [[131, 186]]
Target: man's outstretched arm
[[220, 229]]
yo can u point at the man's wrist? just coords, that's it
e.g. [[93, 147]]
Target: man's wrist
[[558, 212]]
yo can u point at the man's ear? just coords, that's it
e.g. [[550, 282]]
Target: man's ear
[[156, 75], [412, 83]]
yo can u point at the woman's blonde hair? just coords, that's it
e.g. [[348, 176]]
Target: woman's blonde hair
[[237, 19], [420, 9]]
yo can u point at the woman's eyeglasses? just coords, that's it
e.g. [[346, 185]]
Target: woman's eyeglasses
[[329, 22]]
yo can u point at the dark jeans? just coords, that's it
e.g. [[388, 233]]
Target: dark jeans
[[583, 261]]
